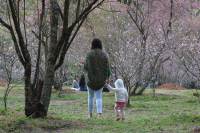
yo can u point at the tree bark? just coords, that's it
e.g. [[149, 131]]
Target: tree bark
[[47, 88], [28, 90], [51, 59]]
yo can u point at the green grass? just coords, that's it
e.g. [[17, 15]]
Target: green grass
[[175, 111]]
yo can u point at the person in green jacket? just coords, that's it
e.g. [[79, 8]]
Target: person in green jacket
[[98, 71]]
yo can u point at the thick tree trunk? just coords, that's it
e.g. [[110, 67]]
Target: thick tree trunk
[[28, 90], [32, 95], [37, 98], [47, 88]]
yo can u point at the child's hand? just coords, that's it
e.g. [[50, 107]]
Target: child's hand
[[107, 81]]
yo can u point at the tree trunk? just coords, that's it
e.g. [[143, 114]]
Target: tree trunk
[[37, 99], [140, 68], [47, 88], [28, 90], [134, 89], [32, 95], [128, 103], [140, 92]]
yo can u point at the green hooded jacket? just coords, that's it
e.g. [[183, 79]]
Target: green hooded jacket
[[97, 68]]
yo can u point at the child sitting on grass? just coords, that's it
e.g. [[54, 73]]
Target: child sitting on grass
[[121, 97]]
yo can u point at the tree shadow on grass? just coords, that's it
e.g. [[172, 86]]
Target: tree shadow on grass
[[53, 125]]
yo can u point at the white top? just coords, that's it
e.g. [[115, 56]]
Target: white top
[[121, 94]]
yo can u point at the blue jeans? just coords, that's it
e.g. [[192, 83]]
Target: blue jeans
[[98, 95]]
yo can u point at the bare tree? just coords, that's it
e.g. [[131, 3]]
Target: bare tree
[[38, 92]]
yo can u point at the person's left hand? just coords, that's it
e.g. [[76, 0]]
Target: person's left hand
[[107, 81]]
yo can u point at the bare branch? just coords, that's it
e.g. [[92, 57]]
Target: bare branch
[[37, 36], [5, 24], [21, 58], [41, 16], [21, 43], [64, 42]]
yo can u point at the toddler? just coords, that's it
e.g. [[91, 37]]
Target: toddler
[[121, 97]]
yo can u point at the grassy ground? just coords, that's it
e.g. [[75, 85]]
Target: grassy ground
[[175, 111]]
